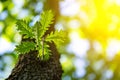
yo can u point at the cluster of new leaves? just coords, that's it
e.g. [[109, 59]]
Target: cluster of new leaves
[[37, 33]]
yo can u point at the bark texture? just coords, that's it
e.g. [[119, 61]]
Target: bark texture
[[29, 67]]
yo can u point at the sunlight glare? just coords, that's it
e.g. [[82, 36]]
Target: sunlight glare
[[113, 48], [78, 46], [108, 74], [80, 72], [74, 24], [69, 7], [5, 46], [98, 65], [18, 5], [115, 19], [117, 2], [97, 46], [23, 13]]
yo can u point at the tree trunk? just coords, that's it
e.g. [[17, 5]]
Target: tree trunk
[[29, 67]]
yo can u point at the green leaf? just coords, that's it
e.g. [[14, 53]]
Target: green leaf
[[42, 26], [23, 27], [56, 37], [36, 31], [25, 47], [46, 54], [45, 21], [39, 30]]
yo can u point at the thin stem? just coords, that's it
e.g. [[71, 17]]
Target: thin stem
[[43, 47]]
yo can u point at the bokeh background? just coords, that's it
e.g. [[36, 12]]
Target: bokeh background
[[92, 47]]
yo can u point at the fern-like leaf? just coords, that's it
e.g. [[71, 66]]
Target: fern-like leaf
[[23, 27], [39, 30], [25, 47], [45, 21], [56, 37], [36, 31]]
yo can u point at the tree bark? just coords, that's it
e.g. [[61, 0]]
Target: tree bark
[[29, 67]]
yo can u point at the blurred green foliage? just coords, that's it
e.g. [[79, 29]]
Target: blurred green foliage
[[93, 25]]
